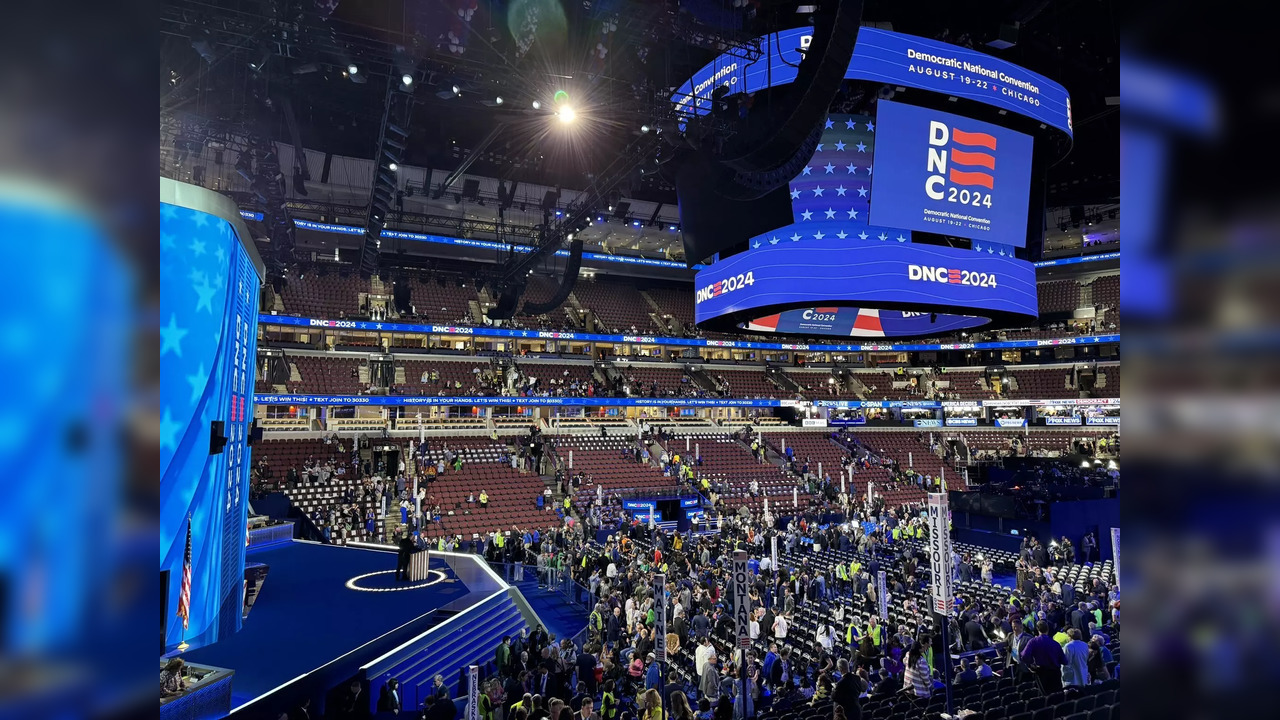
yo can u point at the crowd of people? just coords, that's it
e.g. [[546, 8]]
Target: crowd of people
[[1044, 632]]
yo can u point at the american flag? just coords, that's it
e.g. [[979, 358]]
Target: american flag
[[830, 198], [184, 597]]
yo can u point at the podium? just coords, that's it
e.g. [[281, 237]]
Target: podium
[[419, 564]]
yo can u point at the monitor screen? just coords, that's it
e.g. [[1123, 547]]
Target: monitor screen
[[947, 174]]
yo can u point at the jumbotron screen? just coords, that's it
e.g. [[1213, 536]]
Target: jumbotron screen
[[950, 175]]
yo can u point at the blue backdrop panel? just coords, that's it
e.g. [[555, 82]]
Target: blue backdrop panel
[[208, 307]]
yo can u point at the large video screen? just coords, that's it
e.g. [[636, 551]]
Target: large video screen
[[208, 332], [947, 174]]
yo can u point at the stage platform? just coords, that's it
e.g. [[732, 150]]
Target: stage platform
[[335, 608]]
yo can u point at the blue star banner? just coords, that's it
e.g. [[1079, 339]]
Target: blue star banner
[[208, 338]]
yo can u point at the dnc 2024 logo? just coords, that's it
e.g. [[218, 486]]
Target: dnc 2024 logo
[[961, 164]]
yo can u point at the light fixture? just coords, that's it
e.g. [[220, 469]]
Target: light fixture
[[537, 105], [407, 79], [352, 69], [565, 114], [457, 90], [644, 128], [498, 100], [393, 167]]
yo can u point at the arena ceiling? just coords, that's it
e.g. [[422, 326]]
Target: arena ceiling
[[249, 63]]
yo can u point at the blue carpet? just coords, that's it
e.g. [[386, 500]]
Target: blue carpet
[[561, 617], [1008, 580], [306, 616]]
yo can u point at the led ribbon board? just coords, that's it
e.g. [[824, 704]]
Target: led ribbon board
[[906, 282], [889, 57], [505, 334]]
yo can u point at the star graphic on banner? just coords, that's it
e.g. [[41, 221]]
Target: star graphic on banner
[[197, 382], [990, 250], [196, 247], [831, 214], [818, 235], [828, 125], [900, 238], [870, 127], [862, 147], [817, 191], [819, 148], [840, 191], [171, 337], [977, 247], [166, 240], [199, 218], [795, 194], [862, 235], [196, 277], [848, 124], [525, 333], [883, 237], [756, 245], [862, 192], [169, 431], [379, 326], [774, 241], [221, 255], [806, 170], [795, 237], [830, 168], [168, 212], [868, 169], [842, 234], [851, 168], [853, 214], [806, 214], [1001, 252], [204, 297], [840, 146]]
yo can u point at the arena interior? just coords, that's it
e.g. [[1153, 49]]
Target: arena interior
[[530, 359]]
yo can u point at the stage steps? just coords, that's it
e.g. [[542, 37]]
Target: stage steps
[[465, 639]]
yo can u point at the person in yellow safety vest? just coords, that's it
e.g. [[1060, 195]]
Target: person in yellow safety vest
[[854, 568], [706, 484], [852, 635], [897, 533], [842, 574], [664, 568], [566, 503], [595, 622], [440, 543], [678, 543], [499, 541], [928, 655], [608, 703], [875, 631]]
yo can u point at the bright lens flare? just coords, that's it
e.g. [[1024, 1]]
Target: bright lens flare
[[560, 96], [565, 114]]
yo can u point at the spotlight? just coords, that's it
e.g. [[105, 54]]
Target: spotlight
[[537, 105], [644, 128], [457, 90], [407, 79], [498, 100], [352, 69], [674, 228], [569, 237], [393, 167], [565, 114]]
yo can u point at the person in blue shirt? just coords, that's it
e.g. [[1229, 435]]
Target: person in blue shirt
[[653, 675], [754, 566]]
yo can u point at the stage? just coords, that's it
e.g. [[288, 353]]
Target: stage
[[337, 606]]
